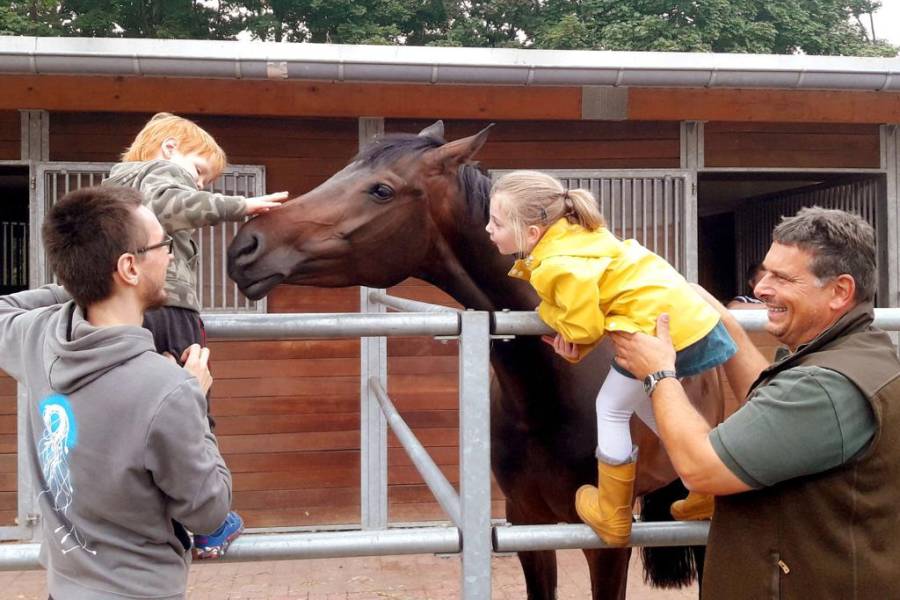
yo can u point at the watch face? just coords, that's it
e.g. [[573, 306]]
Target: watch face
[[649, 382]]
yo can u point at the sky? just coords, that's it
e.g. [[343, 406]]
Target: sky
[[887, 21]]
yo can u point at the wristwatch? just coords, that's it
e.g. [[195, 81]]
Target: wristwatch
[[652, 379]]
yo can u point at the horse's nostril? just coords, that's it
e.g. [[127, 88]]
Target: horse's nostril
[[245, 248]]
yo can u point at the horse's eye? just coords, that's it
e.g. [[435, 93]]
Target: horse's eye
[[381, 192]]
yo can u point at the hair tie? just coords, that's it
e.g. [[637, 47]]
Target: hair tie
[[567, 202]]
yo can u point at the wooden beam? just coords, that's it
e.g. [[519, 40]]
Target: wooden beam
[[480, 102], [774, 106], [287, 98]]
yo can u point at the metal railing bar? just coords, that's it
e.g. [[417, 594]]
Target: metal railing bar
[[292, 546], [443, 492], [328, 325], [520, 538], [407, 305], [529, 323]]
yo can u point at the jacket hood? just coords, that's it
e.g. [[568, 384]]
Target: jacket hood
[[568, 239], [77, 353], [126, 173]]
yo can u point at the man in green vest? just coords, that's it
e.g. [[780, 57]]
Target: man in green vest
[[807, 471]]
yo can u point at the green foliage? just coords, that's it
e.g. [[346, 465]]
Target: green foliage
[[832, 27], [36, 17]]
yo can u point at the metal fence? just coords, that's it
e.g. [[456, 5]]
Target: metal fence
[[215, 291], [649, 205], [470, 531], [13, 254]]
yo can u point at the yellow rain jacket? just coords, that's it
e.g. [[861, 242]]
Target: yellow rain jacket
[[590, 282]]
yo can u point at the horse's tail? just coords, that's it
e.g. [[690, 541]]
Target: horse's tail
[[669, 567]]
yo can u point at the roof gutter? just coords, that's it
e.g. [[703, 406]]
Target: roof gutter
[[406, 64]]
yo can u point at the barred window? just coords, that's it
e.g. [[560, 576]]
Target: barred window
[[217, 293]]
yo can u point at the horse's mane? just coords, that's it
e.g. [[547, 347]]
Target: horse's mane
[[475, 184]]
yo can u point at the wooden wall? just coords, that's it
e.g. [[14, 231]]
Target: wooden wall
[[789, 145], [10, 149], [10, 135], [8, 501], [566, 144]]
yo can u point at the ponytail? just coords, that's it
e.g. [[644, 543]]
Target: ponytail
[[582, 209]]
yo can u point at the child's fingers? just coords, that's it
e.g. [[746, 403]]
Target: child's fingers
[[193, 348], [276, 198], [549, 340]]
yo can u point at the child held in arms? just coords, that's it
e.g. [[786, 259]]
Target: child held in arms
[[590, 283], [170, 161]]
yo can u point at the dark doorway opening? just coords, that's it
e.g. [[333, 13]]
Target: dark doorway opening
[[738, 210], [14, 224]]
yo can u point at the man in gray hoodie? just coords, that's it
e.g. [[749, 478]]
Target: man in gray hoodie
[[119, 442]]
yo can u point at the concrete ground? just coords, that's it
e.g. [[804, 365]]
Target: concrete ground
[[418, 577]]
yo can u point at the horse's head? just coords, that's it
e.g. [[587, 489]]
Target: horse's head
[[372, 223]]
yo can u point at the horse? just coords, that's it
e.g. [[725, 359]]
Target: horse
[[413, 205]]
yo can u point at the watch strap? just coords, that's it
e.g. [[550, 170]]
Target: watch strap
[[652, 379]]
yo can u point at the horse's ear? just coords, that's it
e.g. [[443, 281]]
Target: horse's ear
[[435, 130], [457, 152]]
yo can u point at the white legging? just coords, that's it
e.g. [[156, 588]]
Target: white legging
[[619, 397]]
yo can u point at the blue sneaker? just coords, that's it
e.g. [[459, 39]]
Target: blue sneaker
[[216, 543]]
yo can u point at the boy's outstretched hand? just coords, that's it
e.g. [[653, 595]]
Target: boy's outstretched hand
[[263, 204]]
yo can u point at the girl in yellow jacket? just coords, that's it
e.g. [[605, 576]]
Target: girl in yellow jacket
[[590, 282]]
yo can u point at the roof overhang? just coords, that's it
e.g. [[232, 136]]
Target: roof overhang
[[437, 65]]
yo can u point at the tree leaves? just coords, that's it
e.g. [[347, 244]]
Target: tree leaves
[[831, 27]]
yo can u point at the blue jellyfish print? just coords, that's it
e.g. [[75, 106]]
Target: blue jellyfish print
[[59, 437]]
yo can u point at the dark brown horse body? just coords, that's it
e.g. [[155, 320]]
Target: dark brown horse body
[[411, 206]]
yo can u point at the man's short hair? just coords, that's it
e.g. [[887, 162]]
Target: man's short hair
[[839, 242], [86, 232]]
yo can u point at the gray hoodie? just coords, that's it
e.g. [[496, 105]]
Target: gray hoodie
[[120, 447], [171, 193]]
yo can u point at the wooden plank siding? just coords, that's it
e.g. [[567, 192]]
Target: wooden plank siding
[[791, 145], [763, 105], [293, 98], [8, 501], [10, 135], [565, 144], [286, 98]]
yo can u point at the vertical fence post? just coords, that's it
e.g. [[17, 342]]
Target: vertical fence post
[[890, 163], [692, 160], [474, 454], [373, 426], [27, 513]]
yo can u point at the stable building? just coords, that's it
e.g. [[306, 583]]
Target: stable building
[[705, 150]]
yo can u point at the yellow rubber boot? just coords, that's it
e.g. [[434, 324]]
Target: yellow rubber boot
[[608, 509], [696, 507]]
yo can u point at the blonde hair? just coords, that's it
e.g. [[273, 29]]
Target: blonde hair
[[190, 137], [535, 198]]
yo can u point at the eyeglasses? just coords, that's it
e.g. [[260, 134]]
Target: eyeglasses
[[167, 242]]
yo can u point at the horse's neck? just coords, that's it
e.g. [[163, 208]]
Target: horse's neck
[[465, 263], [483, 286]]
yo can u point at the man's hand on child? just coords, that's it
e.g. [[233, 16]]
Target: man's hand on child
[[568, 350], [196, 362], [263, 204], [641, 354]]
